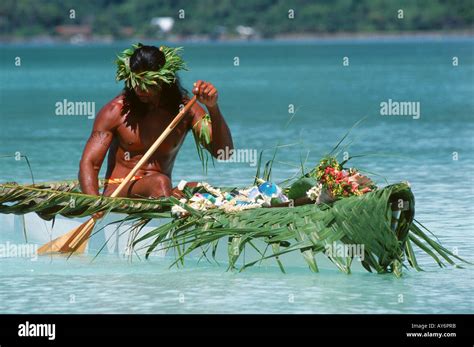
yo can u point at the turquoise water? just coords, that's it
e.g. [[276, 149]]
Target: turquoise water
[[254, 97]]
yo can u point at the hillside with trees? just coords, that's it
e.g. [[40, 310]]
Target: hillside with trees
[[215, 18]]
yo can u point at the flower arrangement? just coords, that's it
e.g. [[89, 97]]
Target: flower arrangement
[[338, 181], [328, 182]]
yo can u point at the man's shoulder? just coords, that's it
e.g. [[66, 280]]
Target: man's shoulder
[[111, 112], [115, 105]]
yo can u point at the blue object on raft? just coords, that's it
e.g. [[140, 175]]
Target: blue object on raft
[[268, 189]]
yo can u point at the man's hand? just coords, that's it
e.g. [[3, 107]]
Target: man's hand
[[206, 93]]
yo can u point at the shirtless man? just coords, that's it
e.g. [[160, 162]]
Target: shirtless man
[[129, 124]]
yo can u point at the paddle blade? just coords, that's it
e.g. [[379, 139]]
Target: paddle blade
[[75, 241]]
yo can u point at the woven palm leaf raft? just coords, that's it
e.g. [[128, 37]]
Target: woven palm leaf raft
[[382, 221]]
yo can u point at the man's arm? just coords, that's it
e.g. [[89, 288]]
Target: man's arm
[[220, 136], [97, 146]]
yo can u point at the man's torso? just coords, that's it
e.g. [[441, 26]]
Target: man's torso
[[134, 135]]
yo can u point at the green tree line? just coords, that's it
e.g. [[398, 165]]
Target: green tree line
[[24, 18]]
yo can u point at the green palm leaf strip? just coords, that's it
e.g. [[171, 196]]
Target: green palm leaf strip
[[309, 230]]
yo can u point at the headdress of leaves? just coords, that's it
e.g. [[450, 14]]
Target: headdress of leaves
[[166, 74]]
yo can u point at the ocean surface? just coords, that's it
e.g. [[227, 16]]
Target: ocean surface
[[433, 150]]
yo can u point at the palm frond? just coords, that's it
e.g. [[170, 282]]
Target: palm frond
[[62, 198], [369, 220]]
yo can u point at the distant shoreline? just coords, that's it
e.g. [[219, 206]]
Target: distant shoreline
[[302, 37], [376, 35]]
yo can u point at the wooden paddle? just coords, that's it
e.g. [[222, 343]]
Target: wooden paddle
[[75, 241]]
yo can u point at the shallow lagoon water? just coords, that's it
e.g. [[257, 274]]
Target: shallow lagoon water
[[254, 97], [112, 285]]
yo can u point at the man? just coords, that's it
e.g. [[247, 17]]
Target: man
[[128, 125]]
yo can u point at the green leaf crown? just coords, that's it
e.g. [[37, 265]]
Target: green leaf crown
[[145, 79]]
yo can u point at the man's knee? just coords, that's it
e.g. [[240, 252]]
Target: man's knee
[[160, 185]]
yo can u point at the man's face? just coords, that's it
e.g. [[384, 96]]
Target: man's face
[[149, 94]]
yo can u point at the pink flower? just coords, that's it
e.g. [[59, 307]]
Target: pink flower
[[354, 186], [360, 179]]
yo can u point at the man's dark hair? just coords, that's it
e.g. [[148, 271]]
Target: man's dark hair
[[150, 58]]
